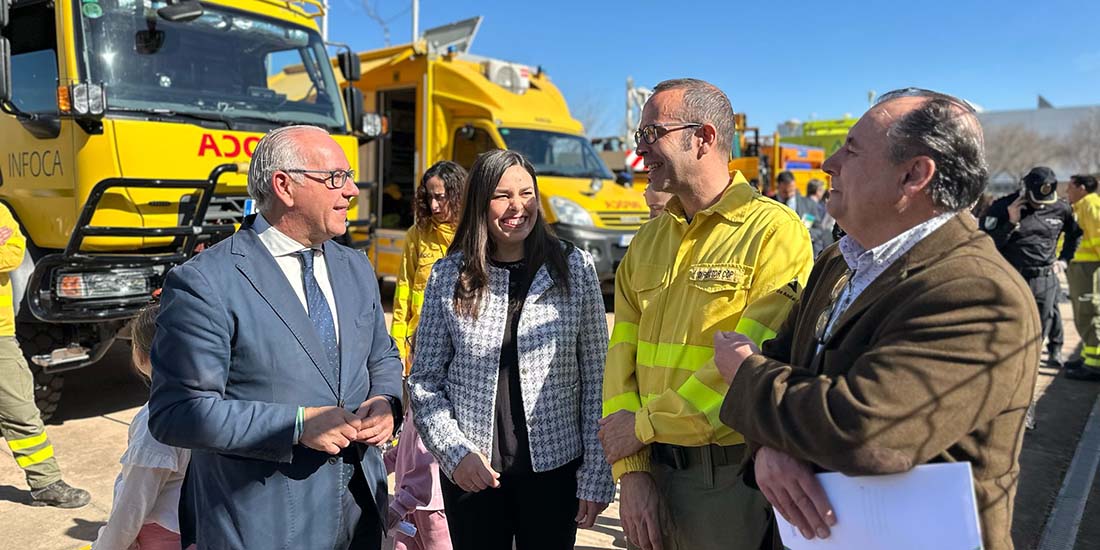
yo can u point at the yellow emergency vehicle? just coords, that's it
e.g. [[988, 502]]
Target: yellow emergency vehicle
[[763, 159], [123, 126], [444, 103]]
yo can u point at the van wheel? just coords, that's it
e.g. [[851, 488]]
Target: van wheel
[[37, 339]]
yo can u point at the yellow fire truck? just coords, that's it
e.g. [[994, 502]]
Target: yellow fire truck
[[124, 123], [444, 103]]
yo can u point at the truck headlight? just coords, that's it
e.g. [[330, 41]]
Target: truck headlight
[[116, 283], [570, 213]]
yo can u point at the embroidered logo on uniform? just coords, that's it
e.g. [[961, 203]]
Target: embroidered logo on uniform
[[990, 222], [730, 273], [1046, 189]]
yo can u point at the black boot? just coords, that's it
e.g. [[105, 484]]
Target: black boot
[[61, 495], [1078, 371]]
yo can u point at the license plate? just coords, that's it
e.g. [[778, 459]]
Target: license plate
[[624, 240]]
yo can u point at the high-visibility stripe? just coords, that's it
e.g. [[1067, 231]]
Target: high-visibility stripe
[[624, 401], [1092, 361], [417, 298], [27, 442], [1090, 350], [705, 399], [35, 457], [399, 330], [756, 332], [401, 292], [1086, 256], [679, 356], [624, 332]]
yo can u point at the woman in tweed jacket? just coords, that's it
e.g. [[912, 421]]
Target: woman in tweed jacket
[[507, 376]]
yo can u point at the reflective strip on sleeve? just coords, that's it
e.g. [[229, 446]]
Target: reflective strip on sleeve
[[624, 332], [624, 401], [27, 442], [756, 332], [677, 356], [417, 298], [35, 457], [401, 292], [1092, 361], [704, 398]]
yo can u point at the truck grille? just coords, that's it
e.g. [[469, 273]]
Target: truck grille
[[225, 209], [623, 220]]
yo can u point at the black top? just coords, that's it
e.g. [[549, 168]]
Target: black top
[[1033, 242], [511, 446]]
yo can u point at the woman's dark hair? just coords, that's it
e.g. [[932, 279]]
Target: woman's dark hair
[[453, 177], [142, 330], [472, 236]]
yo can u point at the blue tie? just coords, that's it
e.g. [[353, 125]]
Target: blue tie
[[321, 316]]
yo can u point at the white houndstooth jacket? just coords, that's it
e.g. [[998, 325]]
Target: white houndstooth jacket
[[562, 343]]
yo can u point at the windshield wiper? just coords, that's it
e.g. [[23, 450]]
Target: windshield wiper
[[166, 114]]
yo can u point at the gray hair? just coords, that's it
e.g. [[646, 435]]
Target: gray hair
[[945, 129], [276, 151], [704, 103]]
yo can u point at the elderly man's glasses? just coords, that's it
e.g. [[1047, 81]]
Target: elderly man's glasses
[[650, 133], [333, 179]]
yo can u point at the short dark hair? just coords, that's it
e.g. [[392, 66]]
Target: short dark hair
[[704, 103], [945, 129], [813, 186], [1084, 180], [784, 177], [142, 330], [472, 236], [453, 177]]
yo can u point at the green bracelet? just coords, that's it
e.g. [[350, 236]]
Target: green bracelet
[[298, 421]]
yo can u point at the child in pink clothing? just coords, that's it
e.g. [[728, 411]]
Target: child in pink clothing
[[417, 495]]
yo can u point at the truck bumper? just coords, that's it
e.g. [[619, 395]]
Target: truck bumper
[[606, 246]]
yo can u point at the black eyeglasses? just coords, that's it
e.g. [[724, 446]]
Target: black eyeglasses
[[333, 179], [653, 132]]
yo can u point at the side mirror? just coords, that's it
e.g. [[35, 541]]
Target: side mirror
[[180, 10], [4, 13], [349, 64], [5, 67]]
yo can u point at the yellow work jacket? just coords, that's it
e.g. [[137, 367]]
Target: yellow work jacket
[[423, 247], [1087, 211], [11, 255], [738, 265]]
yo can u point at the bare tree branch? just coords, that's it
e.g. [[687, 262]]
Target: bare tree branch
[[1015, 149]]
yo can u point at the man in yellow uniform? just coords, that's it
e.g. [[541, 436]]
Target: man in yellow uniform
[[723, 257], [1083, 277], [20, 421]]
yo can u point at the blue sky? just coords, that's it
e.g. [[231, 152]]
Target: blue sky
[[776, 60]]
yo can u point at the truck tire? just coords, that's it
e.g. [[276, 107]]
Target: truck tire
[[36, 339]]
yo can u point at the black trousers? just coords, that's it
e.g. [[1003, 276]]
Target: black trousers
[[536, 510], [1046, 288]]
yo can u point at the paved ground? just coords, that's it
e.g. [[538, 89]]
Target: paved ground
[[89, 434]]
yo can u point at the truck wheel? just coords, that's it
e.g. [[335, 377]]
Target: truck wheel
[[37, 339]]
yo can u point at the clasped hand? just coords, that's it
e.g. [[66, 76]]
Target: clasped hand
[[331, 429]]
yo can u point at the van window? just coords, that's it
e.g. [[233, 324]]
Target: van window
[[469, 143]]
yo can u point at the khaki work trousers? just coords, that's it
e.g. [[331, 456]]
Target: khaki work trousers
[[1084, 292], [20, 422], [708, 507]]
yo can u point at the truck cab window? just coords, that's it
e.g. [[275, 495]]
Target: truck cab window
[[34, 58]]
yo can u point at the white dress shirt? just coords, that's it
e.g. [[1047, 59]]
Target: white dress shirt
[[285, 250]]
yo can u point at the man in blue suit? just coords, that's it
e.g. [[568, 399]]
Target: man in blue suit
[[811, 212], [273, 364]]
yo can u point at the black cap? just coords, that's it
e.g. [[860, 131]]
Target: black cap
[[1041, 185]]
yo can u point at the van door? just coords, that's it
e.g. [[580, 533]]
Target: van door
[[397, 168]]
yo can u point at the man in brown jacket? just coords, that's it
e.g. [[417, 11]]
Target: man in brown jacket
[[914, 340]]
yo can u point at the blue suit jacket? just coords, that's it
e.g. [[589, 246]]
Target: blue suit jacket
[[234, 356]]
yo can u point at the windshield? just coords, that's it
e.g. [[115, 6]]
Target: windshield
[[555, 154], [226, 66]]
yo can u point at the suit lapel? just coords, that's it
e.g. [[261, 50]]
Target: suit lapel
[[540, 284], [259, 267]]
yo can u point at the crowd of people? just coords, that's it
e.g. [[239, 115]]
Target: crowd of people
[[749, 351]]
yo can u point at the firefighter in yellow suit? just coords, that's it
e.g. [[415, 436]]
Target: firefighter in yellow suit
[[721, 258], [20, 422], [1083, 276]]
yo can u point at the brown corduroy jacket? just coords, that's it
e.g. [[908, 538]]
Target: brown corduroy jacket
[[934, 362]]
